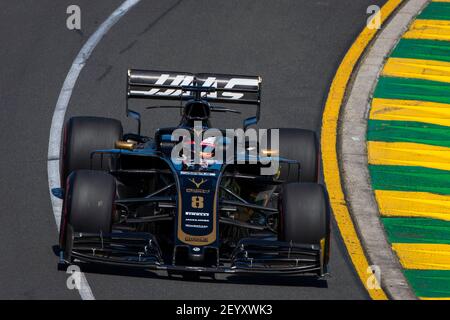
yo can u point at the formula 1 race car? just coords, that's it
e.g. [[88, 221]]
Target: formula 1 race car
[[187, 201]]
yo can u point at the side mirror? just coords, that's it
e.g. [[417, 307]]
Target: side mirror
[[125, 145], [250, 121], [137, 116]]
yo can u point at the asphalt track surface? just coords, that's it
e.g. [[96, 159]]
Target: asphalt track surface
[[296, 46]]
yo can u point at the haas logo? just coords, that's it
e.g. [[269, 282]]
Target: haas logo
[[187, 80]]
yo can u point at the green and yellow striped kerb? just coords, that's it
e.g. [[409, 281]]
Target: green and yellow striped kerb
[[409, 151]]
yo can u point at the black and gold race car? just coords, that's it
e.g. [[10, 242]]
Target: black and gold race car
[[186, 199]]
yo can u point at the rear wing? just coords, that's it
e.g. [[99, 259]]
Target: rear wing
[[226, 88], [169, 85]]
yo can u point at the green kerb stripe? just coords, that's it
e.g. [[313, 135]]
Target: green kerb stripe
[[412, 89], [422, 49], [436, 11], [408, 131], [410, 178], [429, 283], [417, 230]]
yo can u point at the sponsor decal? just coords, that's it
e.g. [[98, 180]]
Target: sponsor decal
[[197, 211], [179, 80], [198, 184], [196, 239], [199, 214], [198, 226], [191, 190], [199, 173], [197, 220]]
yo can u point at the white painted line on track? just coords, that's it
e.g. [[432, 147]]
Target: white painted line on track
[[60, 111]]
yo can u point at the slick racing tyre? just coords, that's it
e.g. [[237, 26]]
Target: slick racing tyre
[[82, 135], [300, 145], [88, 203], [305, 215]]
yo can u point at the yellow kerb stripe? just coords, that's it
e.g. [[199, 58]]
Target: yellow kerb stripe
[[410, 110], [413, 204], [429, 29], [329, 152], [417, 69], [409, 154], [423, 256]]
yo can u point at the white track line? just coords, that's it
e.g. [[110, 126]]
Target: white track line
[[60, 111]]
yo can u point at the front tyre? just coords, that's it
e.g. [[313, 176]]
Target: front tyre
[[305, 216], [88, 205]]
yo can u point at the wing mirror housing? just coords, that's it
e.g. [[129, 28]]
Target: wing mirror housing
[[125, 145], [136, 116]]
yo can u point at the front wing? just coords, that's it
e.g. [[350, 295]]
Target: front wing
[[141, 250]]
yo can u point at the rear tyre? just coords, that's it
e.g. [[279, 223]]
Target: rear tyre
[[88, 204], [305, 215], [300, 145], [82, 135]]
